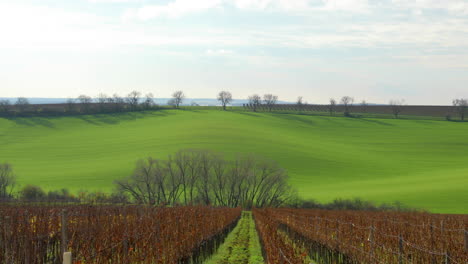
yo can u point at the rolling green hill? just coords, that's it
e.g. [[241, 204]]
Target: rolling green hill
[[422, 163]]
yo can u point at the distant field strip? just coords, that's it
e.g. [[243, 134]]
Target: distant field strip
[[422, 163]]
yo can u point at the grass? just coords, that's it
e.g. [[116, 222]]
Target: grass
[[242, 246], [422, 163]]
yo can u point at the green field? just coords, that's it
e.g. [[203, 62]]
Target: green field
[[422, 163]]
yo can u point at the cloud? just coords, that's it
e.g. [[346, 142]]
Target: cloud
[[115, 1], [346, 5], [456, 7], [218, 52], [180, 8], [173, 9]]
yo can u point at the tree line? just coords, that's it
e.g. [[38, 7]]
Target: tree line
[[134, 101], [187, 177], [191, 177]]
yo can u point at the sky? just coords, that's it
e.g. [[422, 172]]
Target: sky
[[373, 50]]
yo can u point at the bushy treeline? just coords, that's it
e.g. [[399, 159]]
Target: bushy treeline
[[188, 177], [355, 204], [207, 177], [83, 104], [192, 177]]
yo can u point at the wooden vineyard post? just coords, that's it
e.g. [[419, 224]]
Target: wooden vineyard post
[[2, 222], [64, 241], [67, 258], [400, 250], [371, 241], [316, 226], [466, 240], [5, 232], [26, 238], [337, 236], [433, 260], [447, 257]]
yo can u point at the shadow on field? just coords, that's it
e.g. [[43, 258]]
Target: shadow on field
[[374, 121], [116, 118], [293, 117], [32, 121], [246, 113]]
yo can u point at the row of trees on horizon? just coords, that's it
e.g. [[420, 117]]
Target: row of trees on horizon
[[191, 177], [186, 178], [135, 101]]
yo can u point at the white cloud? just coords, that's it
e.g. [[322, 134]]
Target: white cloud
[[173, 9], [115, 1], [270, 4], [218, 52], [457, 7], [346, 5], [179, 8]]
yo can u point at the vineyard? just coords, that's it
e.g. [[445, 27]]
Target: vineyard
[[291, 235], [142, 234], [112, 234]]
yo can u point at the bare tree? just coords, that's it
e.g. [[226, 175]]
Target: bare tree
[[300, 103], [119, 103], [149, 101], [332, 106], [254, 101], [205, 177], [347, 103], [177, 99], [22, 104], [225, 98], [7, 180], [4, 105], [133, 99], [143, 184], [102, 100], [364, 105], [396, 106], [270, 100], [85, 102], [461, 105]]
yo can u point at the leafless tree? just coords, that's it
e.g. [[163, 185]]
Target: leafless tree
[[177, 99], [270, 100], [119, 103], [205, 177], [364, 105], [22, 104], [85, 102], [143, 185], [225, 98], [396, 106], [133, 99], [332, 106], [461, 105], [254, 101], [300, 103], [7, 180], [149, 101], [102, 100], [4, 105], [347, 103]]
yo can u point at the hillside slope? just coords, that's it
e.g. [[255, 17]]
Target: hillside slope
[[419, 162]]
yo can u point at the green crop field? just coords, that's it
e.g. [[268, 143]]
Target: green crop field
[[422, 163]]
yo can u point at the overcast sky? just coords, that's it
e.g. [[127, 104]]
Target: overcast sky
[[373, 50]]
